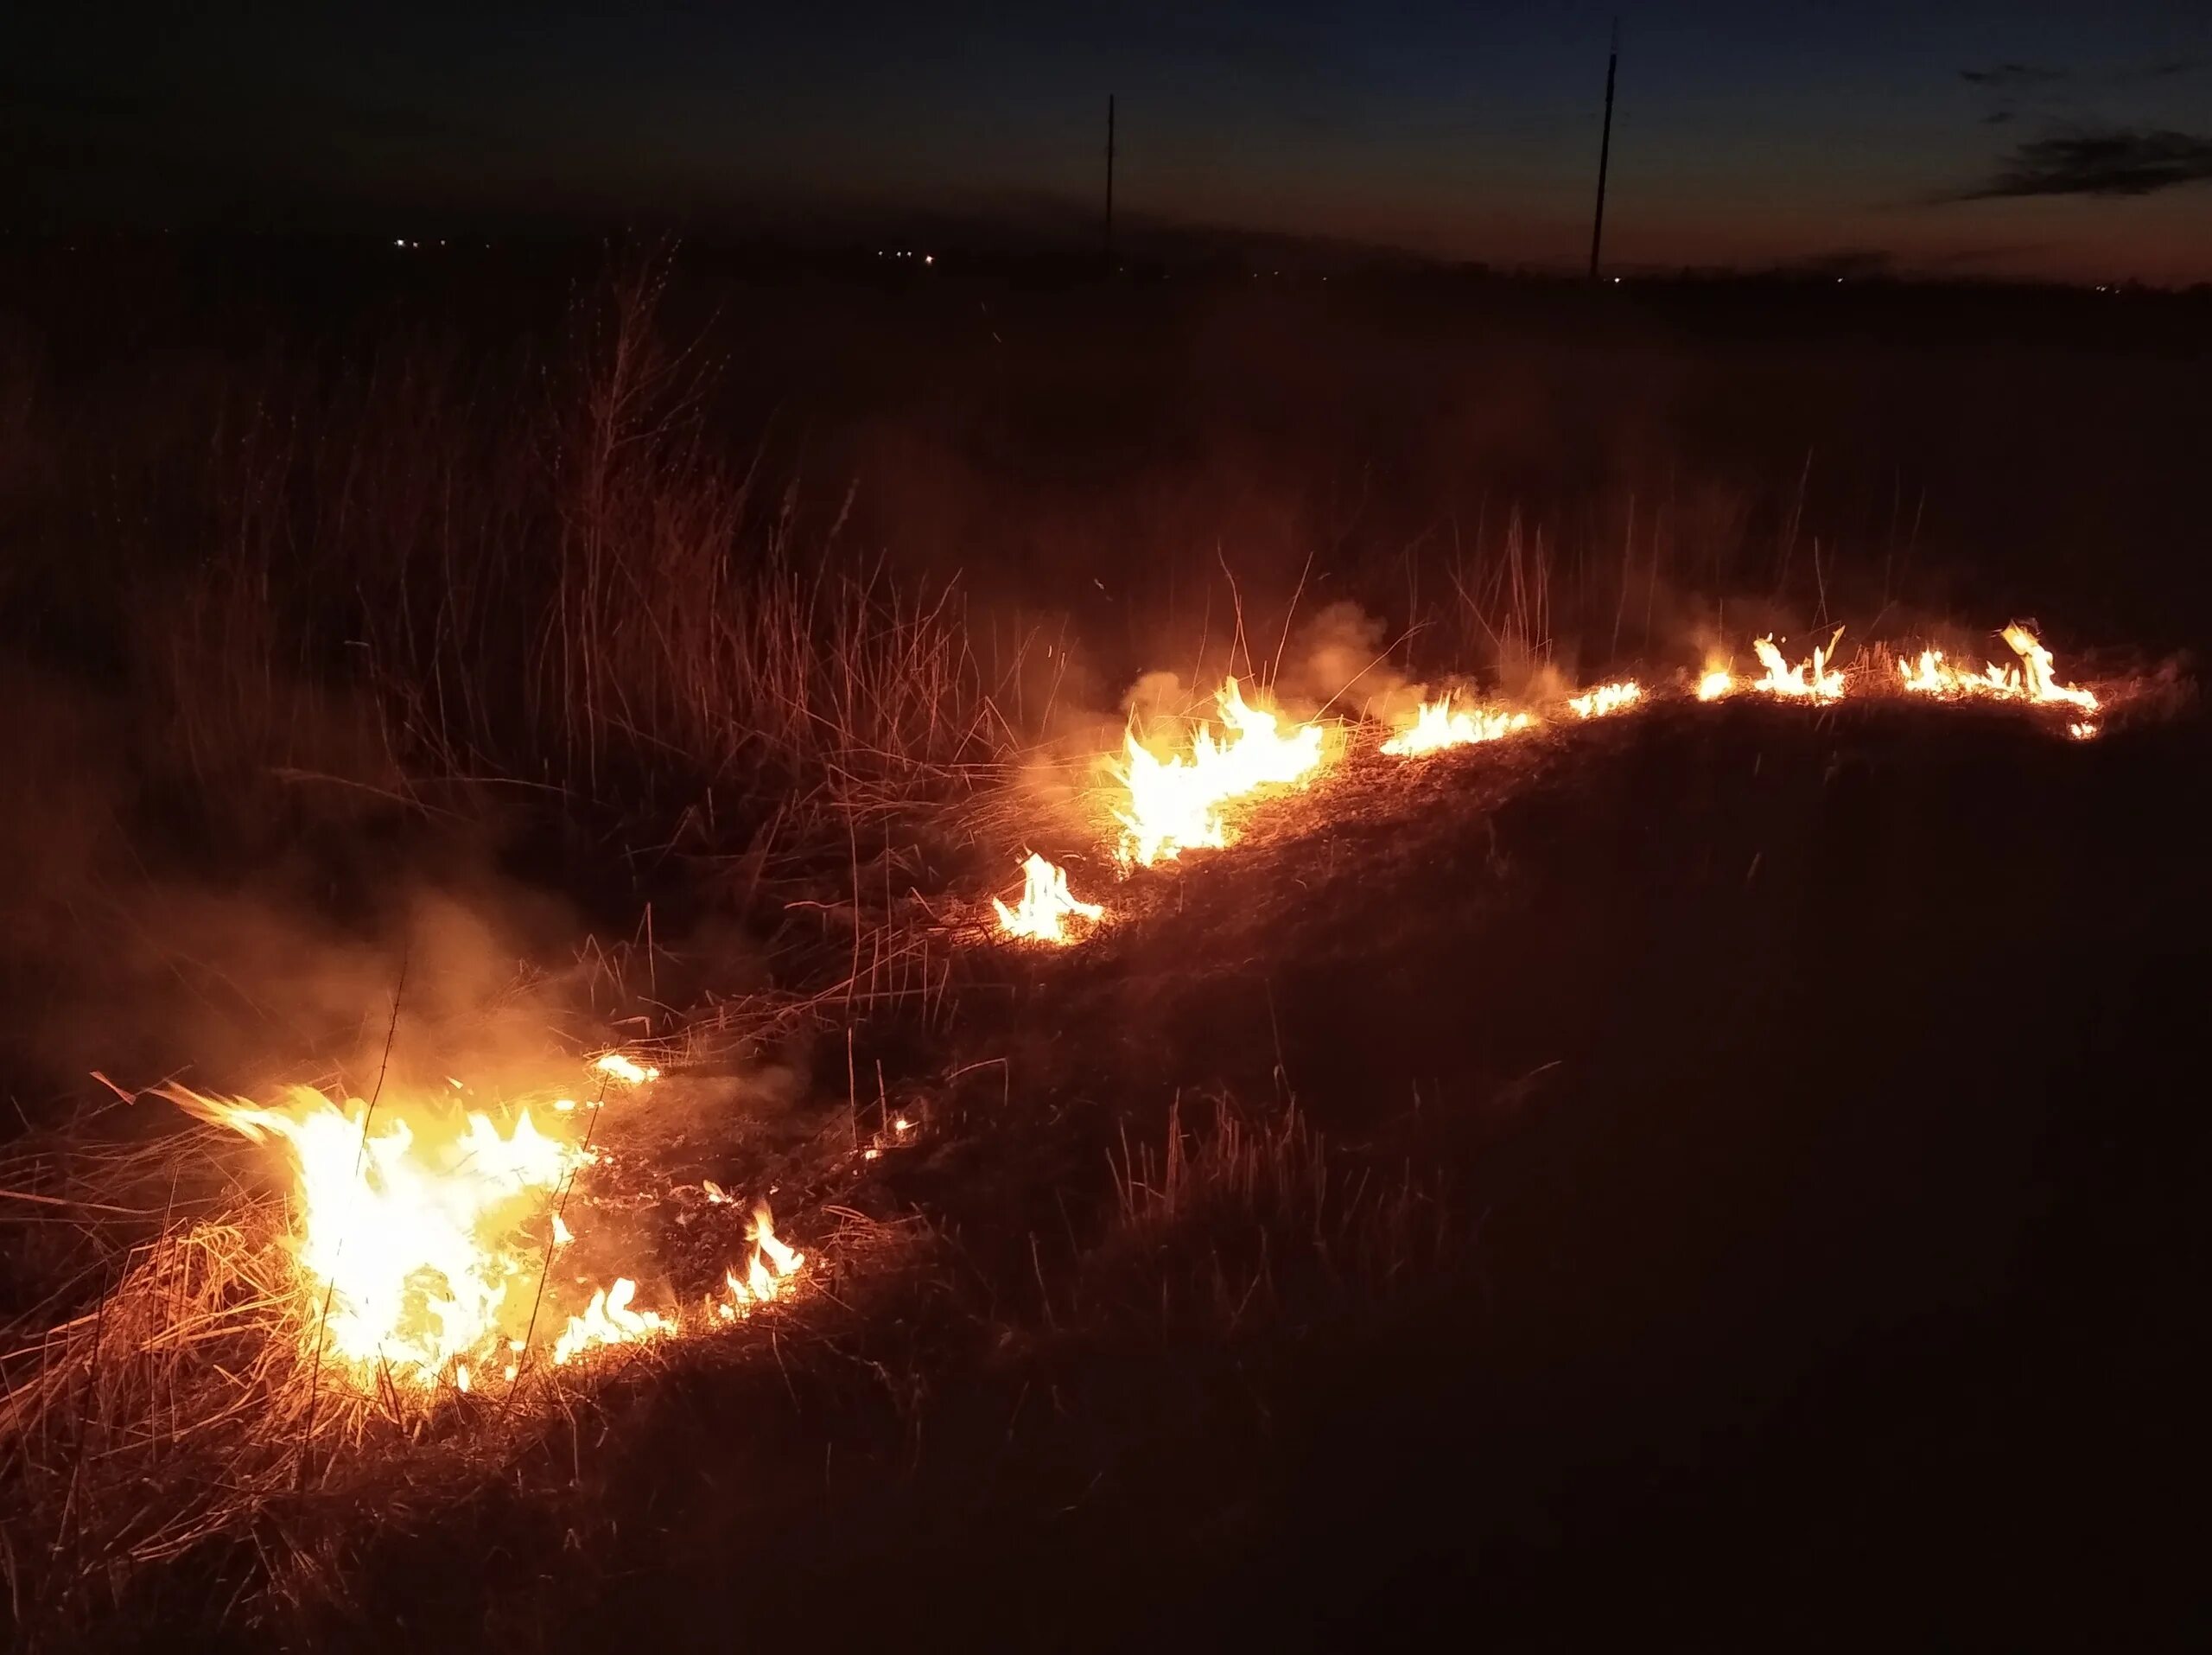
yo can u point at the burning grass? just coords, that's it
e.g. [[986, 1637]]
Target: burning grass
[[1176, 804], [1441, 723], [1047, 912], [374, 1335]]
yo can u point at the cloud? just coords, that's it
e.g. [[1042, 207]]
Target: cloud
[[2012, 74], [2109, 161]]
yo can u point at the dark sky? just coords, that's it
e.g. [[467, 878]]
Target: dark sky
[[2029, 138]]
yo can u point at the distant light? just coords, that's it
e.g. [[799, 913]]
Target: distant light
[[929, 259], [1617, 281], [399, 241]]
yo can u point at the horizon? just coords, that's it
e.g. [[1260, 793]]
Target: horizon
[[2036, 146]]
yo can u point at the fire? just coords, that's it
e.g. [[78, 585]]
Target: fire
[[1934, 677], [1438, 724], [1717, 682], [608, 1320], [1175, 803], [1813, 680], [2030, 681], [1606, 699], [767, 1273], [420, 1240], [616, 1066], [2036, 662], [429, 1234], [1046, 905]]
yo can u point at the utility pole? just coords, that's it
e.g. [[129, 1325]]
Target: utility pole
[[1605, 150], [1109, 181]]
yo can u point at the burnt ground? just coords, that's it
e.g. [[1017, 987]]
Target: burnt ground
[[1801, 1124]]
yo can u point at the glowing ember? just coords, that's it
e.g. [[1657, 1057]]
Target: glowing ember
[[1046, 905], [1717, 683], [2081, 732], [2036, 662], [1438, 724], [1606, 699], [1812, 680], [768, 1273], [1174, 804]]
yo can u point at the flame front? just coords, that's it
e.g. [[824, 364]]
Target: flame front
[[1438, 724], [1606, 699], [2031, 680], [1046, 905], [1175, 803], [423, 1242], [1813, 680], [2035, 664]]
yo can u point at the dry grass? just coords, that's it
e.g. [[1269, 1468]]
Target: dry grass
[[1251, 1217]]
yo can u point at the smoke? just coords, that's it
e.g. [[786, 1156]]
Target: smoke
[[1339, 660]]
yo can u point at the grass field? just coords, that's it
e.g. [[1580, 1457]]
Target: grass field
[[1722, 1168]]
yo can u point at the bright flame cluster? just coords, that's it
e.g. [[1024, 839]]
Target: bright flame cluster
[[1813, 680], [431, 1239], [1175, 803], [419, 1241], [767, 1273], [2030, 681], [1046, 905], [1606, 699], [1438, 724]]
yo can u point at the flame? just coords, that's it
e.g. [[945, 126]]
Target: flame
[[1717, 682], [767, 1273], [1438, 724], [2036, 662], [618, 1067], [2030, 681], [1936, 677], [1606, 699], [608, 1320], [419, 1241], [1813, 679], [1046, 905], [1174, 804], [429, 1233]]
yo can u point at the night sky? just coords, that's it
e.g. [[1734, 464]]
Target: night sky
[[2019, 138]]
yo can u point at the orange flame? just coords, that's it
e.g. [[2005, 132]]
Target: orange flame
[[2036, 662], [1438, 724], [1813, 680], [1606, 699], [768, 1273], [1046, 905], [427, 1237], [1175, 803]]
